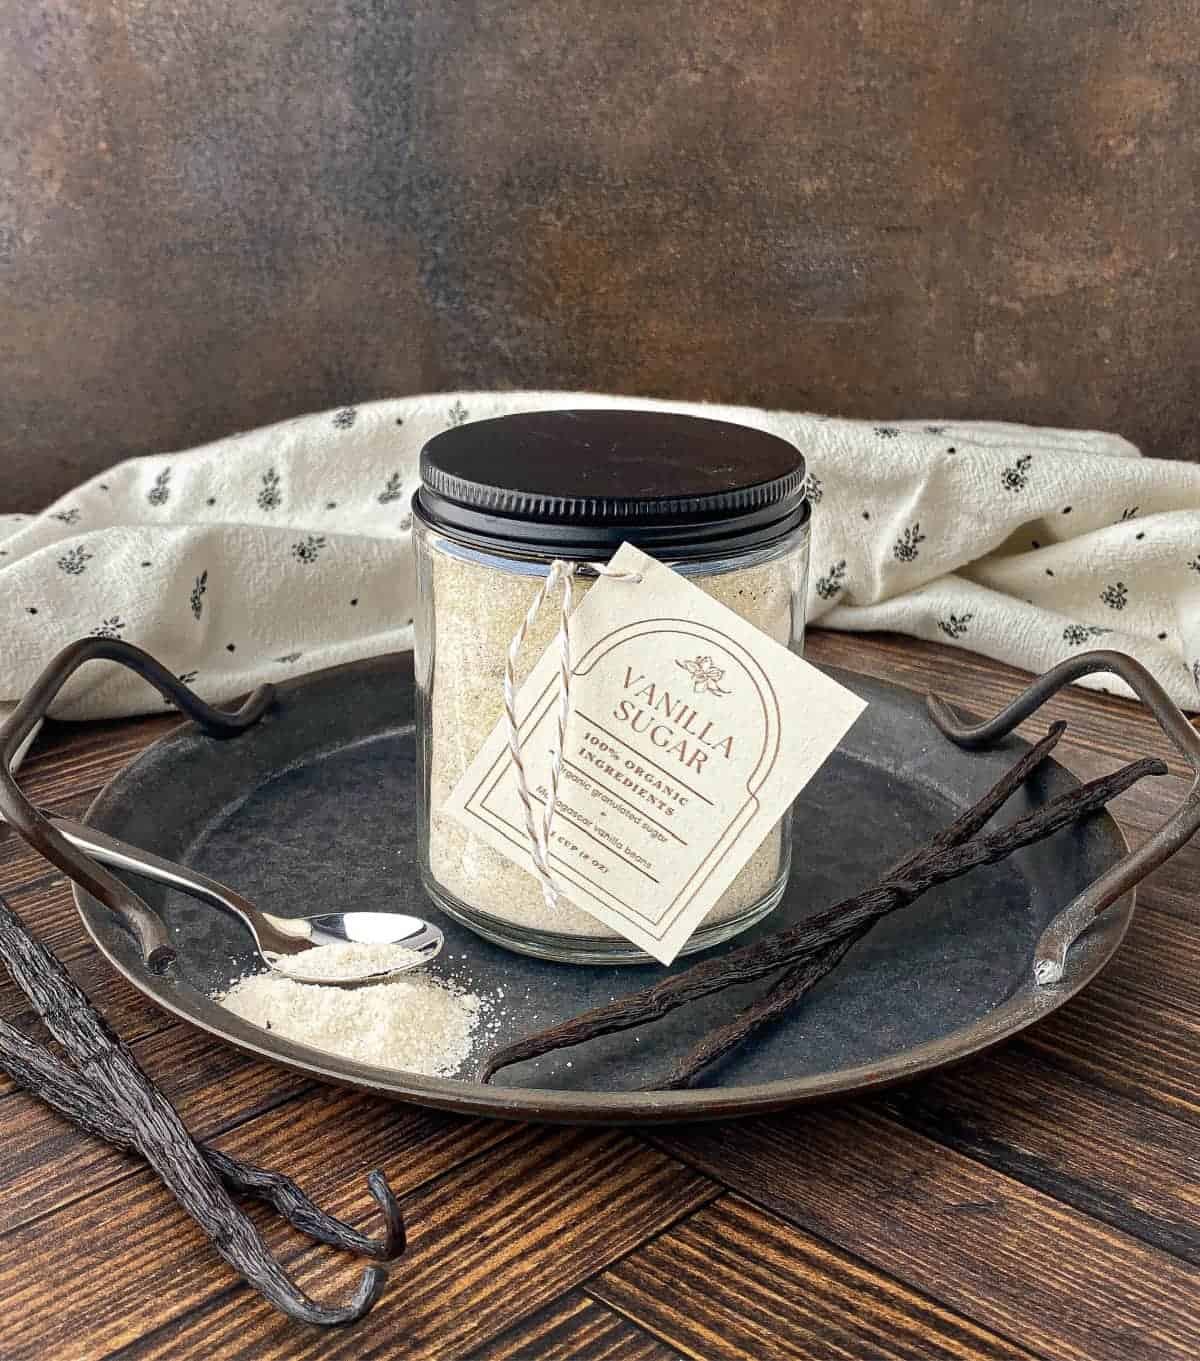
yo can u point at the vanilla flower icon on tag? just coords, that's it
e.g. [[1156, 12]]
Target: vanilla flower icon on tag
[[705, 673]]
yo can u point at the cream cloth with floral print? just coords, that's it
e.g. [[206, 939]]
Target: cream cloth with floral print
[[287, 549]]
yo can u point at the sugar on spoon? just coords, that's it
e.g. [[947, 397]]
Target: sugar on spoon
[[282, 941]]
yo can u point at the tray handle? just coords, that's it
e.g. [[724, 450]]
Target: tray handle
[[1050, 955], [28, 822]]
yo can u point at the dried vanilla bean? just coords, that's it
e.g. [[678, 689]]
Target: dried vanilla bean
[[796, 982], [923, 871], [60, 1087], [159, 1135]]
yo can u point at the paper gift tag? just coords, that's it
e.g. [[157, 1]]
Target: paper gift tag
[[690, 733]]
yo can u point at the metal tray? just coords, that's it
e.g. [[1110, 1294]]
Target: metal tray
[[313, 803]]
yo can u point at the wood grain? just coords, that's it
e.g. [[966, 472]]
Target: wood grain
[[136, 1269], [573, 1327], [74, 761], [736, 1282], [1144, 1049], [1136, 1168], [1041, 1201], [1008, 1257], [489, 1243], [1161, 960]]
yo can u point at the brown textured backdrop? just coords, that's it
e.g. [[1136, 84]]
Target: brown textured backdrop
[[218, 213]]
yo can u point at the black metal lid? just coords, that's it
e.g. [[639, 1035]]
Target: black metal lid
[[580, 483]]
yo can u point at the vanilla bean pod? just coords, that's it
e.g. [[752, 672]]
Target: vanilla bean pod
[[60, 1087], [922, 872], [787, 990], [106, 1063]]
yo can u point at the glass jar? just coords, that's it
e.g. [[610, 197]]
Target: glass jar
[[501, 499]]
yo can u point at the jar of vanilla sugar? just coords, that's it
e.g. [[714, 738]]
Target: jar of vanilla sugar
[[500, 501]]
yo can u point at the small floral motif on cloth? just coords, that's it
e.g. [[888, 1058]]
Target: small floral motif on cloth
[[309, 548], [393, 490], [75, 560], [1016, 475], [1078, 634], [905, 548], [269, 496], [833, 581], [956, 625], [199, 587], [1116, 596], [160, 493]]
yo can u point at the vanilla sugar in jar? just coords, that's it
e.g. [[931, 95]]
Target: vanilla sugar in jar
[[500, 500]]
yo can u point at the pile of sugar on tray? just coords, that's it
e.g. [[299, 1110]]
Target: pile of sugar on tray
[[414, 1022]]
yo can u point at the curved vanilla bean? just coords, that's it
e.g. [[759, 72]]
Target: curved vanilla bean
[[302, 1213], [60, 1087], [801, 978], [922, 872], [159, 1135]]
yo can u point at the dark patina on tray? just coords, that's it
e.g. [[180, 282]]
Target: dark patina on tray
[[313, 805]]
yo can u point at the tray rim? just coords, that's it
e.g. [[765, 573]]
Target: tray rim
[[1030, 1004]]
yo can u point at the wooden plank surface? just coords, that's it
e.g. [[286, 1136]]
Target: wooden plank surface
[[734, 1281], [491, 1240], [575, 1326], [1134, 1168], [1012, 1259], [1041, 1202]]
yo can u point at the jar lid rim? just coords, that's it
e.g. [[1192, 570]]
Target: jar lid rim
[[601, 476]]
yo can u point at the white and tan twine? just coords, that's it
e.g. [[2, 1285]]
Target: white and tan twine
[[562, 573]]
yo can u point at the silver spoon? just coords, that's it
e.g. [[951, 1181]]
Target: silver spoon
[[275, 937]]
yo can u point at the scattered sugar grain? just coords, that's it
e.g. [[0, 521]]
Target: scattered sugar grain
[[416, 1023]]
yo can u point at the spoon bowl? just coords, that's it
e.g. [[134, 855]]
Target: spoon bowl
[[380, 937]]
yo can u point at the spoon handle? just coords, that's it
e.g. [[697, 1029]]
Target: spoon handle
[[267, 931]]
